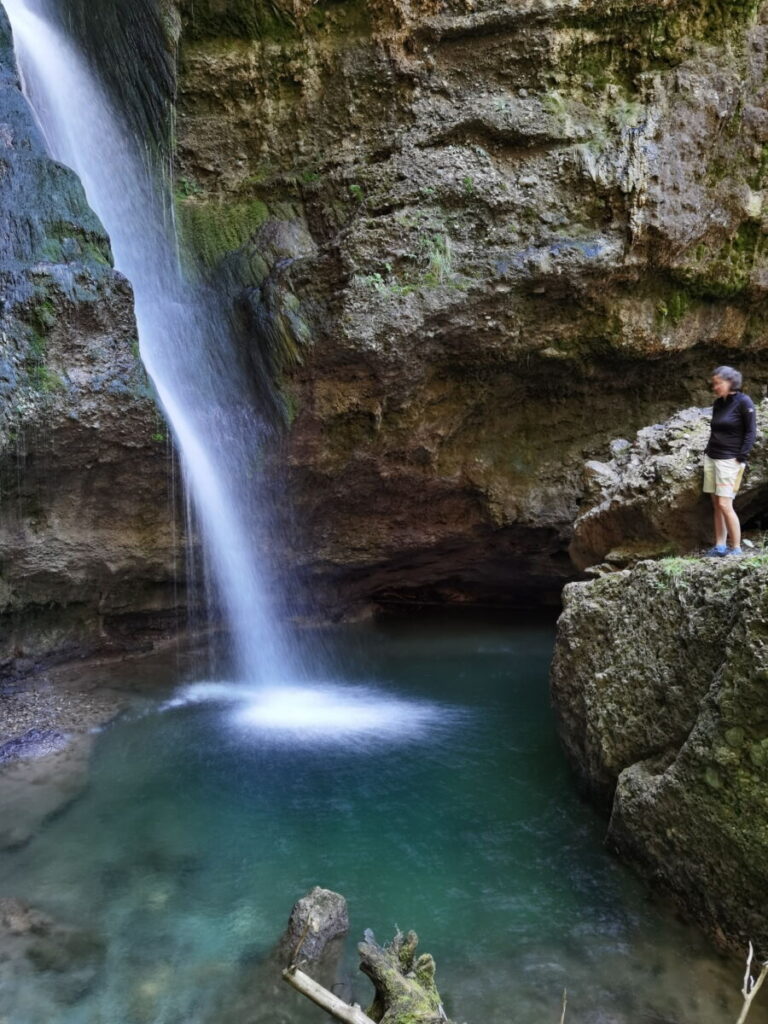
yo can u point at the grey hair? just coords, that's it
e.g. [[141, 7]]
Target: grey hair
[[728, 373]]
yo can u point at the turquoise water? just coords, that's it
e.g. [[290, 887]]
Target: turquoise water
[[448, 810]]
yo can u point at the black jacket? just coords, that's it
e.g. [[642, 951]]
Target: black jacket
[[733, 427]]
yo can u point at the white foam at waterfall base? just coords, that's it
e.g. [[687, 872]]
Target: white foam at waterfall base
[[320, 711], [191, 355]]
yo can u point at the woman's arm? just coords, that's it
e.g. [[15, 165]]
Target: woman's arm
[[748, 419]]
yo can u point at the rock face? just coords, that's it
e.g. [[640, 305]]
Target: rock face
[[472, 242], [315, 921], [659, 683], [488, 238], [647, 500], [90, 557]]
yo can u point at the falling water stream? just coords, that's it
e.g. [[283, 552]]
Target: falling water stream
[[185, 338]]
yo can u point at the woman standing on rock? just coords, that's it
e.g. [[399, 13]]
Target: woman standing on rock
[[730, 440]]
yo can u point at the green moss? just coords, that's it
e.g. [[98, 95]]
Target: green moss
[[677, 566], [673, 308], [240, 19], [631, 40], [724, 273], [290, 403], [44, 379], [758, 178], [67, 242], [186, 189], [211, 230], [37, 346], [43, 315], [279, 21]]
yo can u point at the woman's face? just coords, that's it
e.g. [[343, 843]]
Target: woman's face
[[721, 387]]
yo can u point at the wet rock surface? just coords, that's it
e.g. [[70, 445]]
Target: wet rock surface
[[659, 686], [47, 730], [315, 921], [471, 245]]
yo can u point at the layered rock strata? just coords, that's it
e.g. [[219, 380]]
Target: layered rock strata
[[487, 238], [90, 556], [659, 683]]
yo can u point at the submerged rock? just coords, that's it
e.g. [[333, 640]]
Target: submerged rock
[[659, 684], [32, 789], [316, 920], [313, 937], [62, 962], [35, 743]]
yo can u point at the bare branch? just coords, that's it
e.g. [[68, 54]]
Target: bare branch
[[326, 1000], [751, 986]]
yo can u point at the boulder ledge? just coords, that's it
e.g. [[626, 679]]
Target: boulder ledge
[[660, 684]]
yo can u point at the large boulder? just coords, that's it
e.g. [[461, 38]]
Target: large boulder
[[646, 501], [659, 683]]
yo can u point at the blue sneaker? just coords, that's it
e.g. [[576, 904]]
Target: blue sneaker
[[734, 551], [718, 551]]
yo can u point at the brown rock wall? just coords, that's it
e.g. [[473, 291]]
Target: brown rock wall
[[532, 230]]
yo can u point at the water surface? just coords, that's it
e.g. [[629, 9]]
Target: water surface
[[438, 801]]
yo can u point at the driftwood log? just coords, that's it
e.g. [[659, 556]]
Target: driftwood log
[[404, 984]]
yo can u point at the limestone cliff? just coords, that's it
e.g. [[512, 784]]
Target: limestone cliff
[[659, 682], [486, 238], [480, 239], [89, 558]]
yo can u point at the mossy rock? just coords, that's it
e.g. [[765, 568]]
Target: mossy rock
[[211, 230]]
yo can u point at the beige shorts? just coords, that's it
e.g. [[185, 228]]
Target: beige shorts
[[722, 476]]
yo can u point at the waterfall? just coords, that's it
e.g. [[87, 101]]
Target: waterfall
[[186, 341]]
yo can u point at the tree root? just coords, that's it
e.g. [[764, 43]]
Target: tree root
[[405, 990]]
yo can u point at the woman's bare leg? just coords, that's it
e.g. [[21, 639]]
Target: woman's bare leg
[[721, 527], [731, 527]]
